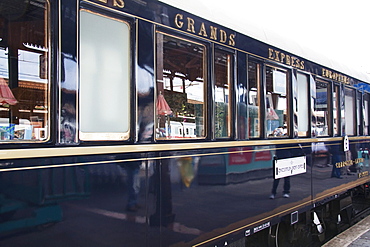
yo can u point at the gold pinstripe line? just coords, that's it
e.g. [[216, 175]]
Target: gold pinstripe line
[[6, 154]]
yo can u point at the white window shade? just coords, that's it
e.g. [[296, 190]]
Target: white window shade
[[104, 77], [302, 105], [350, 118]]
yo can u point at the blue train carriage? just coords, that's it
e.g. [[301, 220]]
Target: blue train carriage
[[139, 123]]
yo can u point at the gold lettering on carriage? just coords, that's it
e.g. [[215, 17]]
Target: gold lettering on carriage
[[335, 76], [190, 25], [285, 58], [114, 3], [349, 162], [363, 174]]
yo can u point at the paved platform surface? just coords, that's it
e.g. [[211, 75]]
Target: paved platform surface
[[356, 236]]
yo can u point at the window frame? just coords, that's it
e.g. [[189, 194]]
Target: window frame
[[45, 133], [288, 96], [329, 107], [354, 110], [308, 95], [359, 118], [366, 116], [206, 87], [231, 79], [260, 95], [336, 86]]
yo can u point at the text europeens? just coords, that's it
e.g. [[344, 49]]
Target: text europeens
[[335, 76], [201, 29]]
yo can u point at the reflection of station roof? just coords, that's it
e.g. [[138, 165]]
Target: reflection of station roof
[[225, 15], [184, 59], [26, 23]]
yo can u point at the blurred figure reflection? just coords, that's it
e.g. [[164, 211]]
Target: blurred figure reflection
[[133, 184], [286, 187], [161, 187]]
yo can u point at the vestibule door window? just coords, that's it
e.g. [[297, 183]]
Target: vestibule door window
[[321, 115], [365, 111], [301, 105], [336, 111], [277, 111], [104, 77], [223, 61], [254, 106], [350, 111]]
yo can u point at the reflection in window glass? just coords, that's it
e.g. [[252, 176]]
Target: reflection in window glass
[[253, 99], [276, 103], [350, 111], [320, 116], [365, 111], [301, 117], [104, 77], [24, 82], [180, 88], [222, 94]]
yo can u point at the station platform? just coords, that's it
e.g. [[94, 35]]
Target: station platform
[[356, 236]]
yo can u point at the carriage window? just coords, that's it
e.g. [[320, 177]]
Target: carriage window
[[350, 111], [180, 88], [254, 75], [336, 107], [24, 78], [301, 117], [276, 103], [365, 113], [359, 106], [320, 116], [104, 77], [222, 94]]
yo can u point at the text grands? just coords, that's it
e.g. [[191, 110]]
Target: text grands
[[202, 29], [287, 59]]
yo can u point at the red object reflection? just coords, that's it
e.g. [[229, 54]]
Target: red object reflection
[[6, 95], [162, 107]]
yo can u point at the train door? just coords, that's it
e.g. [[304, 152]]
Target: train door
[[118, 199]]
